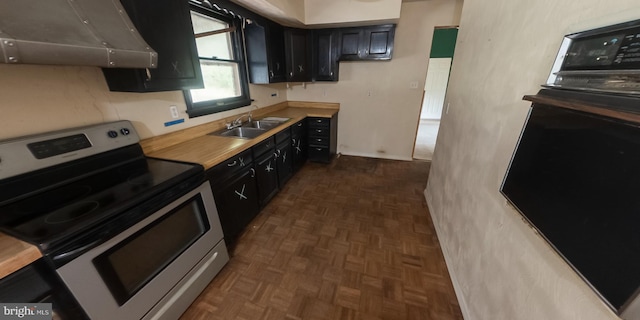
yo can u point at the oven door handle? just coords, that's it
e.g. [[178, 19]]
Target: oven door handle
[[69, 255]]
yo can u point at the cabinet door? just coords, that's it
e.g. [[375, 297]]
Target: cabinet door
[[277, 58], [237, 202], [350, 46], [325, 55], [267, 177], [167, 29], [299, 144], [377, 42], [367, 43], [285, 163], [265, 52], [297, 52]]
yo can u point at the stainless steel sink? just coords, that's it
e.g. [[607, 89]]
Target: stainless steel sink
[[241, 132], [262, 124], [249, 130]]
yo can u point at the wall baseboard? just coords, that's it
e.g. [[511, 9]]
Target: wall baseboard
[[378, 156], [447, 259]]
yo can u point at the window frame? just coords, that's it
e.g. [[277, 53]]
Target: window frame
[[197, 109]]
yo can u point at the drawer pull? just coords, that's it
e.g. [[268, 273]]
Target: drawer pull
[[318, 130], [318, 121], [319, 149], [299, 124], [318, 140], [232, 164], [253, 173]]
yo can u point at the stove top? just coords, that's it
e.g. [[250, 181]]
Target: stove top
[[76, 183], [73, 208]]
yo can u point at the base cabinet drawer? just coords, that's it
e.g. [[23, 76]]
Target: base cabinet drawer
[[319, 154], [322, 138]]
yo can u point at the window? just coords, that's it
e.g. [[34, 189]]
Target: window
[[220, 49]]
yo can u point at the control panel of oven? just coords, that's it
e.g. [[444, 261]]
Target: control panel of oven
[[601, 60], [40, 151]]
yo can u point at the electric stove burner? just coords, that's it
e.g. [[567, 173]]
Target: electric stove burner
[[54, 199], [71, 212]]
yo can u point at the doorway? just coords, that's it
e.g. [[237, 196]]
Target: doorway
[[435, 88]]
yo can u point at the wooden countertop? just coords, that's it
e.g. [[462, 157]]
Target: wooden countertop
[[195, 145], [190, 145], [15, 254]]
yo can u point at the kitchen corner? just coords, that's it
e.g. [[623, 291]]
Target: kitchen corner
[[196, 145]]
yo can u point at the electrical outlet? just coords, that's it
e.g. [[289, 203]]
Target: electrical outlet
[[174, 112], [274, 94]]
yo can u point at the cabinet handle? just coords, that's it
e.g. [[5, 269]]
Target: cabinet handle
[[148, 74], [293, 142], [318, 140], [319, 149], [299, 124], [318, 121], [270, 74], [331, 73], [291, 74], [318, 130], [275, 155], [253, 172], [277, 65], [232, 164]]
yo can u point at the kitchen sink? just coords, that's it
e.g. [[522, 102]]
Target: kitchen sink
[[251, 129], [262, 124], [241, 132]]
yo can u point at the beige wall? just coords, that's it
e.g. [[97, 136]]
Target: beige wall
[[502, 269], [327, 12], [378, 111], [37, 99]]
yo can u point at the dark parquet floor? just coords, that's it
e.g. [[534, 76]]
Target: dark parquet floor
[[349, 240]]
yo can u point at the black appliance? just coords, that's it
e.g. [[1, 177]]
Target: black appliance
[[70, 191], [574, 174]]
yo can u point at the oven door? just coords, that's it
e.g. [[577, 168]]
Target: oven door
[[155, 262]]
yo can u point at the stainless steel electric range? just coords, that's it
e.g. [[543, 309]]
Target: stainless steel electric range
[[131, 237]]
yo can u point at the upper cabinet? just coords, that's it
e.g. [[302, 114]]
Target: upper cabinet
[[367, 43], [265, 52], [325, 55], [298, 53], [167, 29]]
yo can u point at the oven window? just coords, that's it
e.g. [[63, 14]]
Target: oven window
[[129, 265]]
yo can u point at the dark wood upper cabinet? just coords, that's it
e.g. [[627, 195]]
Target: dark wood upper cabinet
[[265, 52], [367, 43], [325, 55], [167, 29], [298, 54]]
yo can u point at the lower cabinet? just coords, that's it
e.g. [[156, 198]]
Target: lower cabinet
[[284, 162], [298, 144], [266, 174], [234, 185], [323, 138], [246, 182]]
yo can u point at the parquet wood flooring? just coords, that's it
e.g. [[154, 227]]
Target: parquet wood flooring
[[349, 240]]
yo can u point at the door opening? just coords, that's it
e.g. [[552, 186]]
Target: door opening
[[435, 88]]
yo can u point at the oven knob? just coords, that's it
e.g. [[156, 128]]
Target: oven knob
[[125, 131], [112, 134]]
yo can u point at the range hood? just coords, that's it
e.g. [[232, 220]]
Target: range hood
[[71, 32]]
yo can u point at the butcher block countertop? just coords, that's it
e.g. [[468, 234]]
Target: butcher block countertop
[[197, 146], [15, 254], [190, 145]]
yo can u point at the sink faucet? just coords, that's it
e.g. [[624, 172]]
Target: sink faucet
[[238, 121]]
